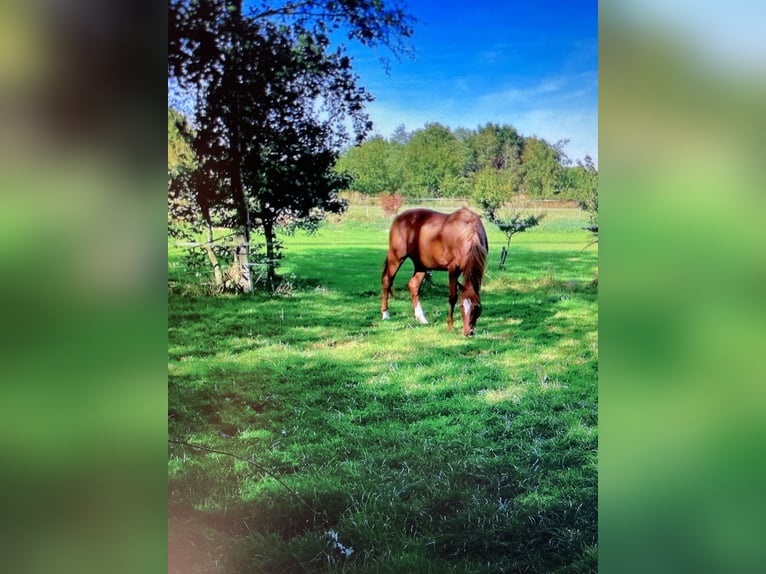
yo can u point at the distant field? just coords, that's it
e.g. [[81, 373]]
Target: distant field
[[388, 446]]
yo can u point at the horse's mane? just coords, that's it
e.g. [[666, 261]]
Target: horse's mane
[[476, 255]]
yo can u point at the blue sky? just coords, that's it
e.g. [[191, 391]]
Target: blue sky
[[531, 64]]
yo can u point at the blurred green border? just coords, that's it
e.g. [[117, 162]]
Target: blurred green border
[[682, 269]]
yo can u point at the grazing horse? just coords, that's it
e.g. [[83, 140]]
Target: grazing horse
[[454, 242]]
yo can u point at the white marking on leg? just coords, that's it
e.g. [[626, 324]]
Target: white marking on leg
[[419, 315], [386, 315]]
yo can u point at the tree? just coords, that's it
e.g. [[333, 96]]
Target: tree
[[182, 206], [180, 152], [493, 164], [491, 188], [190, 197], [184, 214], [588, 183], [374, 166], [432, 163], [400, 136], [494, 146], [271, 106], [541, 167], [510, 227]]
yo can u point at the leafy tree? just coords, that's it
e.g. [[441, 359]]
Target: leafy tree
[[517, 224], [189, 197], [588, 186], [491, 188], [180, 152], [184, 213], [542, 169], [492, 164], [494, 146], [271, 105], [432, 163], [400, 136], [182, 207], [511, 226], [374, 166], [579, 180]]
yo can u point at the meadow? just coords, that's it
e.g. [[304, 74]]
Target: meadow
[[327, 440]]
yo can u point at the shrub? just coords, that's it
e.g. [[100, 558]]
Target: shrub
[[391, 202]]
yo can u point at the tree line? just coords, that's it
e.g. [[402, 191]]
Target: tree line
[[489, 164]]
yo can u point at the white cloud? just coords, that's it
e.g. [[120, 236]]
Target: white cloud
[[521, 95]]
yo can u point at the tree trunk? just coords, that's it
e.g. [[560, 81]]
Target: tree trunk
[[242, 252], [211, 256], [217, 273], [242, 275]]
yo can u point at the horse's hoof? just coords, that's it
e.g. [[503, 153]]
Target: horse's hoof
[[386, 315]]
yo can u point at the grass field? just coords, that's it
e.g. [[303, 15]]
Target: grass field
[[371, 446]]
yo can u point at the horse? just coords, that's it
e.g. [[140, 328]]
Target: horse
[[455, 242]]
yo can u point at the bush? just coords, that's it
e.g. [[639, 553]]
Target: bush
[[391, 202]]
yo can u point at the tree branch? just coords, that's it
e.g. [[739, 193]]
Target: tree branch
[[286, 10]]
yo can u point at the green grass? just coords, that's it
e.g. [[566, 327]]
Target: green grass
[[420, 449]]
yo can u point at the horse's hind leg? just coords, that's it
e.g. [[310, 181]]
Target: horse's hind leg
[[414, 286], [390, 269]]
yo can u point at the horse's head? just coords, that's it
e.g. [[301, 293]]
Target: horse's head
[[470, 309]]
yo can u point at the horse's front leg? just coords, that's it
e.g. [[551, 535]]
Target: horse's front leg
[[453, 284], [387, 282], [414, 285]]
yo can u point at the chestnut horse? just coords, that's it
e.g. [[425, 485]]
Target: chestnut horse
[[454, 242]]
